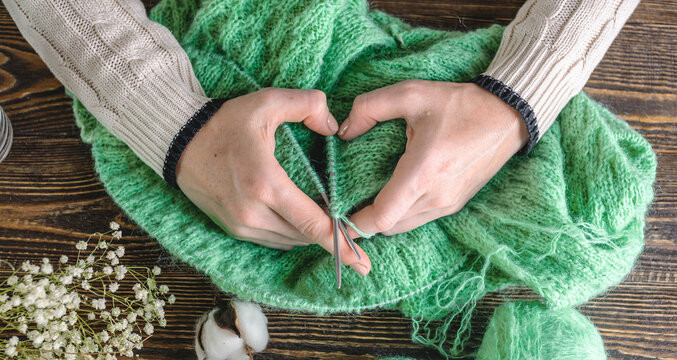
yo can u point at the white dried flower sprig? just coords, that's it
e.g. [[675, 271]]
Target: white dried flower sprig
[[232, 331], [79, 309]]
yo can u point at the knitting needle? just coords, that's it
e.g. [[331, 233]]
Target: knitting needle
[[350, 240], [337, 253], [343, 229]]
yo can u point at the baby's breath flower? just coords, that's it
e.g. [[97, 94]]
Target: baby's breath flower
[[5, 308], [107, 270], [120, 272], [142, 294], [104, 336], [26, 265], [76, 271], [11, 351], [149, 329], [114, 226], [13, 341], [152, 285], [113, 287], [46, 268], [131, 317], [38, 340], [12, 280], [66, 279], [99, 304], [43, 301], [88, 273]]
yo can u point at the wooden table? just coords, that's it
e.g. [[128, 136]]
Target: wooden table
[[50, 197]]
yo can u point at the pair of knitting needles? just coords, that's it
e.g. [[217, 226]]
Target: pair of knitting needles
[[338, 224]]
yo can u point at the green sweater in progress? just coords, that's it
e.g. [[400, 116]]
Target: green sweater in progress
[[566, 221]]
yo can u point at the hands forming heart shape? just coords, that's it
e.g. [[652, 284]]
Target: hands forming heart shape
[[458, 137]]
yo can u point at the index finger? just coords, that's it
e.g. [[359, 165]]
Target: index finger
[[394, 200]]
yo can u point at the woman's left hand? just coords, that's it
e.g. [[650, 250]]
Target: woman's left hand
[[459, 137]]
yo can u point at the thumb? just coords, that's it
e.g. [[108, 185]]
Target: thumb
[[390, 102], [307, 105]]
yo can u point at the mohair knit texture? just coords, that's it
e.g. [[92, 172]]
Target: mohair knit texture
[[567, 220]]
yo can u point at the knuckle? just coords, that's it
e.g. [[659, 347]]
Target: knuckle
[[438, 202], [317, 100], [412, 89], [246, 218], [258, 190], [413, 84], [360, 103], [317, 97], [384, 221], [268, 94], [310, 228]]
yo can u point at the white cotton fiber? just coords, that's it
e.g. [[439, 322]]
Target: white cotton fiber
[[252, 323]]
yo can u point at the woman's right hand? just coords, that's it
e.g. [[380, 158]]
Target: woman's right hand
[[230, 172]]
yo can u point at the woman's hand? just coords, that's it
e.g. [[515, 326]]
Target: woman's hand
[[230, 172], [459, 137]]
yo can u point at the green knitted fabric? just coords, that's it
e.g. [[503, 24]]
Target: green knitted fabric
[[567, 220], [529, 330]]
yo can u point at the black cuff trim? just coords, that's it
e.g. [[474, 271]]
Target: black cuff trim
[[515, 101], [185, 135]]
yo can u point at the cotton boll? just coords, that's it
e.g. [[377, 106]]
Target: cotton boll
[[214, 342], [252, 323]]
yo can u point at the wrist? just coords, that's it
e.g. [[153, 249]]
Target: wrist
[[527, 133], [185, 135]]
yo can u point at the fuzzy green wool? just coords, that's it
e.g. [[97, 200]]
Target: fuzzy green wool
[[529, 330], [567, 220]]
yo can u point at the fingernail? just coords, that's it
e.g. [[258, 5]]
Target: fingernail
[[361, 269], [333, 125], [344, 127]]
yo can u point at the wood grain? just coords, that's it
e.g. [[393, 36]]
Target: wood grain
[[50, 198]]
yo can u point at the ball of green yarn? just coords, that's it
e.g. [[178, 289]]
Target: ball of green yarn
[[529, 330]]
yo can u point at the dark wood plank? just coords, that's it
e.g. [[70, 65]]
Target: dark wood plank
[[50, 198]]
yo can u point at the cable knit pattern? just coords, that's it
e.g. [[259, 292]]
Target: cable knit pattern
[[551, 47], [566, 221], [127, 70], [132, 74]]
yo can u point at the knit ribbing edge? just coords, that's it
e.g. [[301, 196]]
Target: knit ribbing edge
[[184, 137], [515, 101]]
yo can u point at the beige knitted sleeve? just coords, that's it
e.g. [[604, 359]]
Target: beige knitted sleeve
[[550, 49], [128, 71]]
